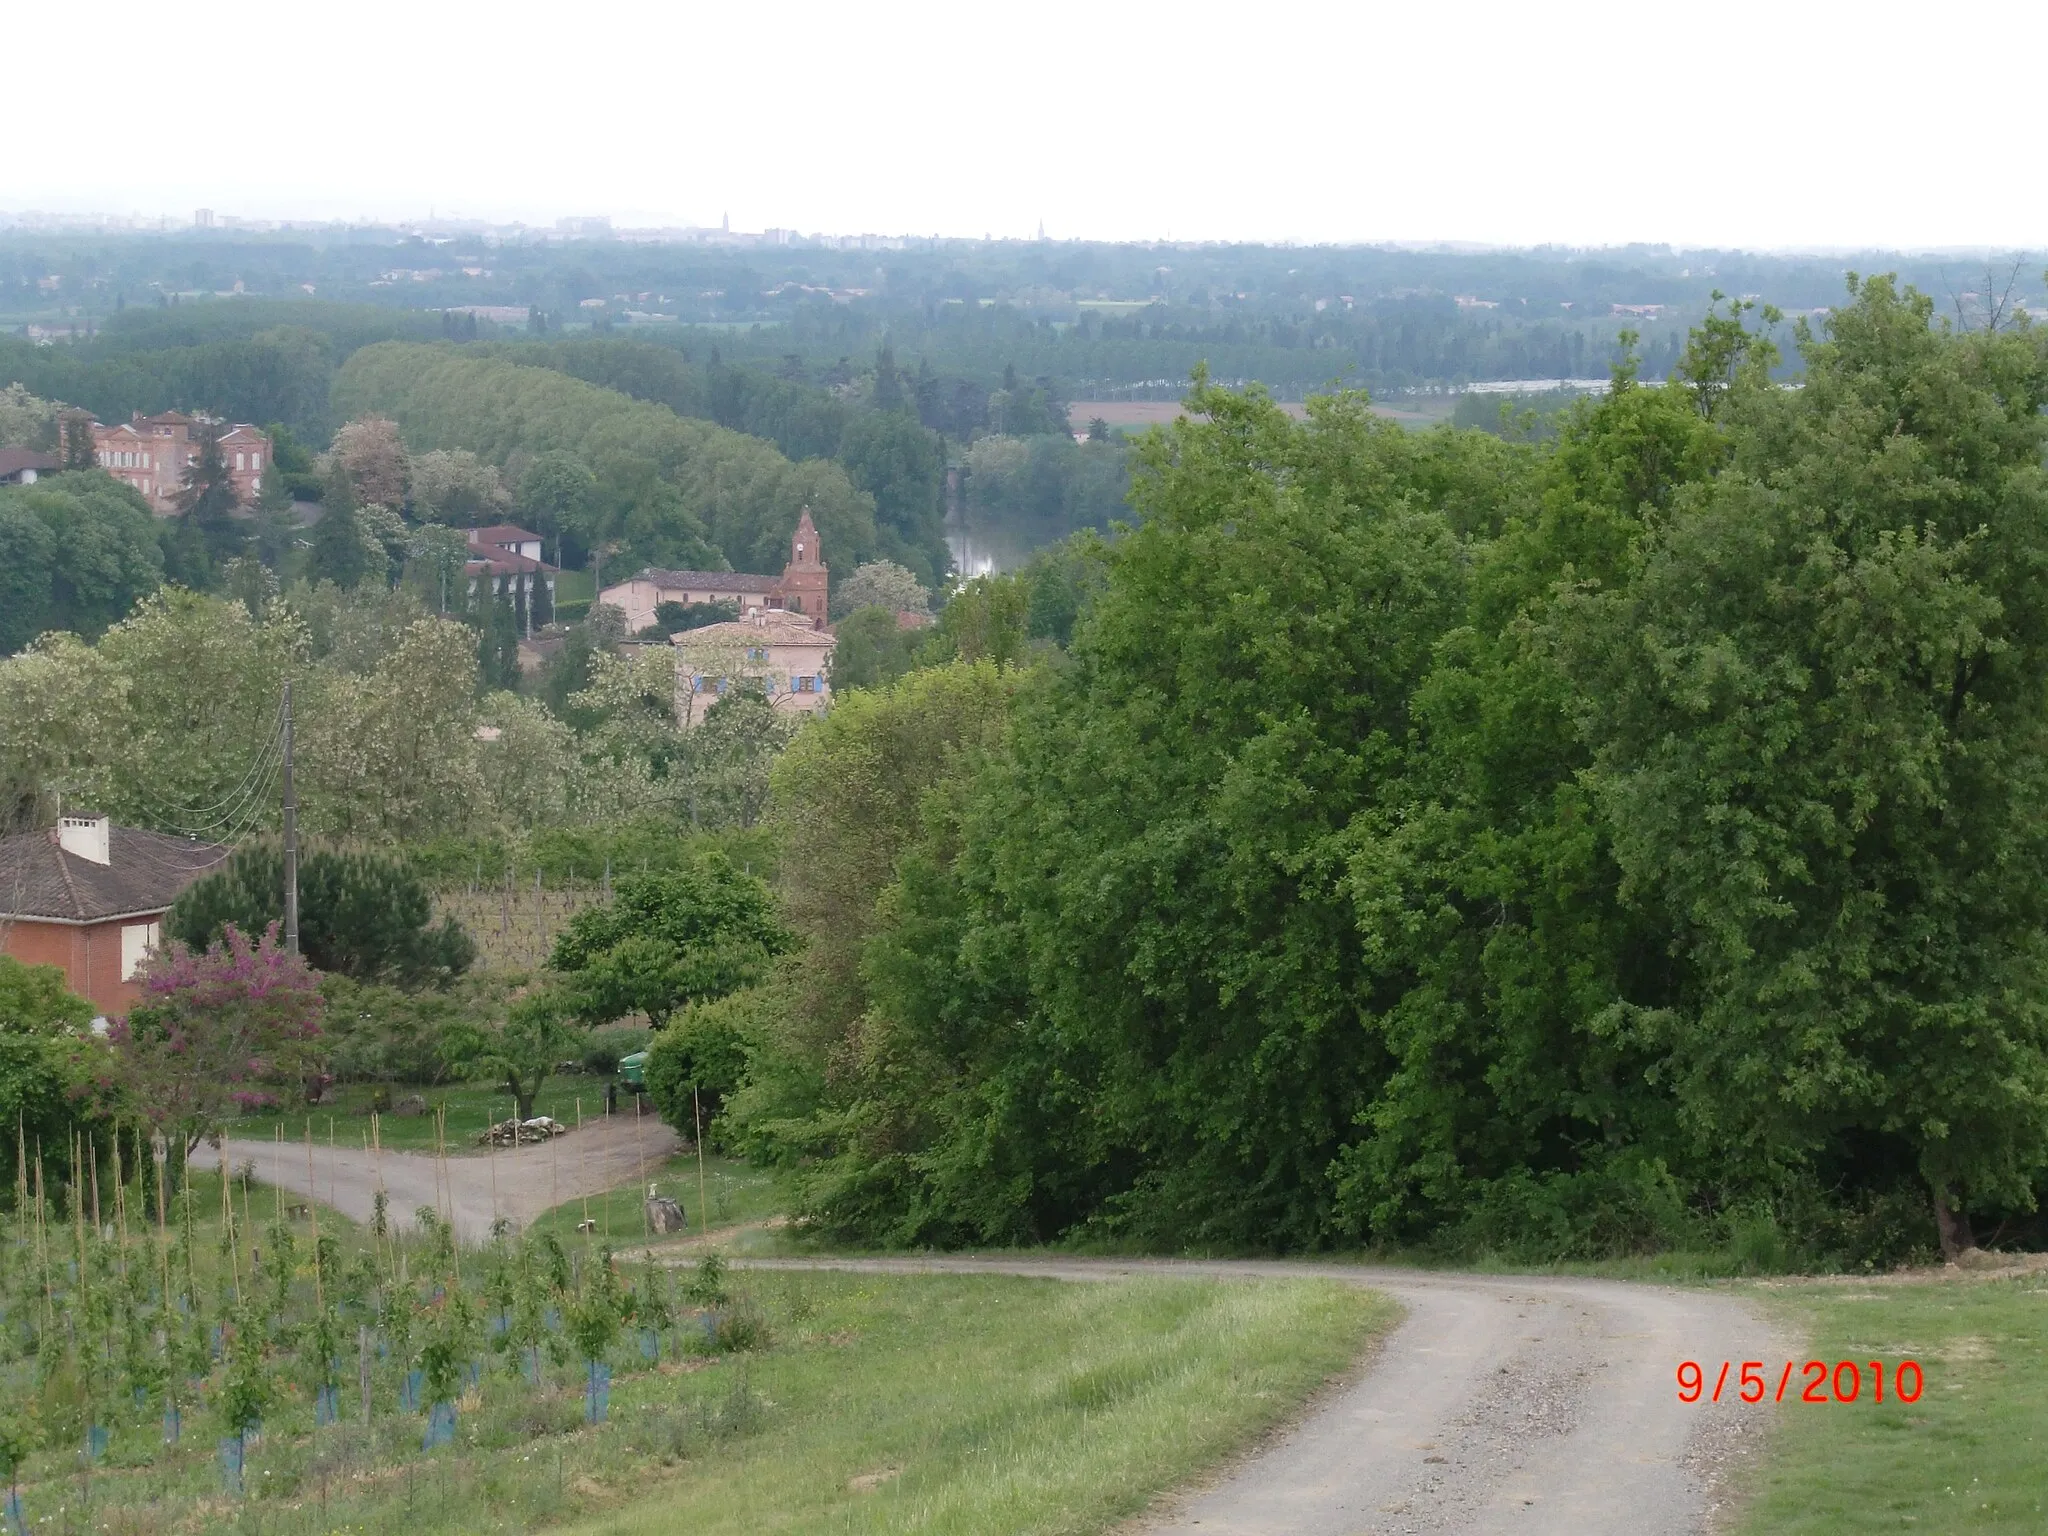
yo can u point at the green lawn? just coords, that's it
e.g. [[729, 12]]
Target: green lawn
[[1970, 1455], [951, 1404], [470, 1106]]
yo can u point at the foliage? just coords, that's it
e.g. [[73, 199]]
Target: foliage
[[667, 940], [852, 792], [371, 453], [207, 500], [700, 1059], [50, 1070], [882, 584], [1829, 784], [1041, 488], [1560, 847], [216, 1028], [668, 491], [360, 915], [76, 553], [519, 1052], [337, 553], [871, 649], [34, 1001], [25, 421], [902, 464], [456, 487]]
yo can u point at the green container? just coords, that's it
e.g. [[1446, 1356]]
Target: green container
[[633, 1069]]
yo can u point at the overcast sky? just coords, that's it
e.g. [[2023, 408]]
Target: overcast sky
[[1786, 124]]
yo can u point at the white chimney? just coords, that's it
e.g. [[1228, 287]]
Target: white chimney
[[85, 837]]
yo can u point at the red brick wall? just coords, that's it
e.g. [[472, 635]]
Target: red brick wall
[[89, 956]]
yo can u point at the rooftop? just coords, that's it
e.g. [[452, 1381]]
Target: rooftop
[[144, 873], [14, 460], [769, 627], [502, 533], [729, 581]]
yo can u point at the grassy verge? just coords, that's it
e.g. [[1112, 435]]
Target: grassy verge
[[735, 1193], [470, 1107], [951, 1404], [1968, 1456]]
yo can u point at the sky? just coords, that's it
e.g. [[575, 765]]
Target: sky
[[1744, 124]]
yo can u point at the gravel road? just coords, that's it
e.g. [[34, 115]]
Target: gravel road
[[476, 1186], [1542, 1406]]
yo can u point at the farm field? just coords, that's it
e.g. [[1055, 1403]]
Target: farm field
[[514, 922], [388, 1380]]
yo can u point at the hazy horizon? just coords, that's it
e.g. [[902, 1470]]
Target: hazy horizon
[[1601, 124]]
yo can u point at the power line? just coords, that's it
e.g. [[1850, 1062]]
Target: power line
[[231, 807], [195, 818]]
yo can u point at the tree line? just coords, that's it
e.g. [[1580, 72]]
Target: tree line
[[1564, 847]]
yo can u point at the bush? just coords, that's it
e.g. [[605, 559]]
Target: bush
[[700, 1060]]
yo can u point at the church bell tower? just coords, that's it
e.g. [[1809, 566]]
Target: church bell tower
[[805, 579]]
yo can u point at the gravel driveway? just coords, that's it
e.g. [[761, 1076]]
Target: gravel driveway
[[474, 1186], [1543, 1406]]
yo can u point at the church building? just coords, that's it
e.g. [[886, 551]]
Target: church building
[[798, 594]]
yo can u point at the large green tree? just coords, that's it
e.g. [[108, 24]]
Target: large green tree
[[76, 552], [666, 940], [1820, 712]]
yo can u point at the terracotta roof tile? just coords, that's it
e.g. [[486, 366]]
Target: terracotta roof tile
[[144, 873]]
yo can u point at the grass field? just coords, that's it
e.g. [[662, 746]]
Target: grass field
[[345, 1118], [1970, 1455], [736, 1194], [939, 1404]]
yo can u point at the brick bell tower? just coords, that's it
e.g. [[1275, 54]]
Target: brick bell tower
[[804, 579]]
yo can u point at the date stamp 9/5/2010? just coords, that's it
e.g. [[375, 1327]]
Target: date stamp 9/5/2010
[[1817, 1381]]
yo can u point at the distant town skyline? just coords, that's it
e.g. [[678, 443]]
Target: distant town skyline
[[1765, 127]]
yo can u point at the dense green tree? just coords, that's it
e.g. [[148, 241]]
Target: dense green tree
[[554, 495], [520, 1051], [670, 490], [76, 552], [338, 554], [207, 500], [665, 940], [881, 584], [902, 465], [873, 649], [360, 915], [49, 1065], [1821, 716]]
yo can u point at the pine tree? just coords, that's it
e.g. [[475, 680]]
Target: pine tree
[[338, 555], [207, 500]]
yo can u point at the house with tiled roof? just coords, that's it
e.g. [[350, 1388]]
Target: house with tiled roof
[[23, 466], [88, 897], [783, 655], [799, 590], [508, 557]]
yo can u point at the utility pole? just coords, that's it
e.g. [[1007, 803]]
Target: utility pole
[[291, 835]]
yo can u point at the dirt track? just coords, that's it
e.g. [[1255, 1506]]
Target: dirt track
[[477, 1187], [1540, 1406]]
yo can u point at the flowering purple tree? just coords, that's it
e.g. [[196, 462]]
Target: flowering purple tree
[[217, 1029]]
